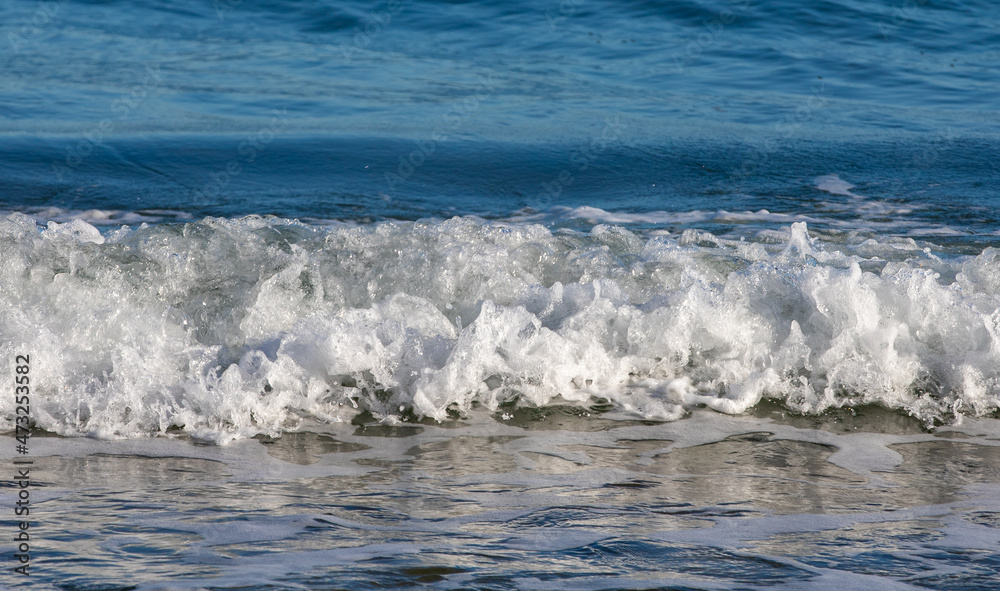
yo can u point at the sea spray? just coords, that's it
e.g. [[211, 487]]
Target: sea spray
[[233, 327]]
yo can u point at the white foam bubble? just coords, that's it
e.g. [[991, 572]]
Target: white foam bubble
[[229, 328]]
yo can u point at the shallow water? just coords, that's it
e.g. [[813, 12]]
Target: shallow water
[[705, 503]]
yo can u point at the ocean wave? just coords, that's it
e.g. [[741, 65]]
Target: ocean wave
[[232, 327]]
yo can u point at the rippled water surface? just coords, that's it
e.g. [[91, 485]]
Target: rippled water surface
[[706, 503]]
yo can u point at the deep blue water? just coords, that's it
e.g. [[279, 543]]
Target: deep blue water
[[641, 106]]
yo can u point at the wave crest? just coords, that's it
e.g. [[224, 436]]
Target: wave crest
[[232, 327]]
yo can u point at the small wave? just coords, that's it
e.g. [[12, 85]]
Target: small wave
[[105, 217], [232, 327], [595, 215]]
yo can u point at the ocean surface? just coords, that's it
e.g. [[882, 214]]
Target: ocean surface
[[503, 295]]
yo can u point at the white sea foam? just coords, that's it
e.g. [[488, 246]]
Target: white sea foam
[[856, 214], [833, 184], [104, 217], [595, 215], [229, 328]]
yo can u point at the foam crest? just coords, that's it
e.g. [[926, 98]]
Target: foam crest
[[231, 327]]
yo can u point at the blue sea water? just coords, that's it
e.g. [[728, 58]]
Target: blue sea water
[[567, 293], [302, 109]]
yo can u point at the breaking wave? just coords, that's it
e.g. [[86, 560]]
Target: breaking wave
[[232, 327]]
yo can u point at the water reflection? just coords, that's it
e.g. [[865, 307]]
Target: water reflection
[[939, 469], [498, 510], [307, 448]]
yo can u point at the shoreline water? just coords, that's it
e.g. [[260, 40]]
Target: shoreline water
[[456, 505]]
